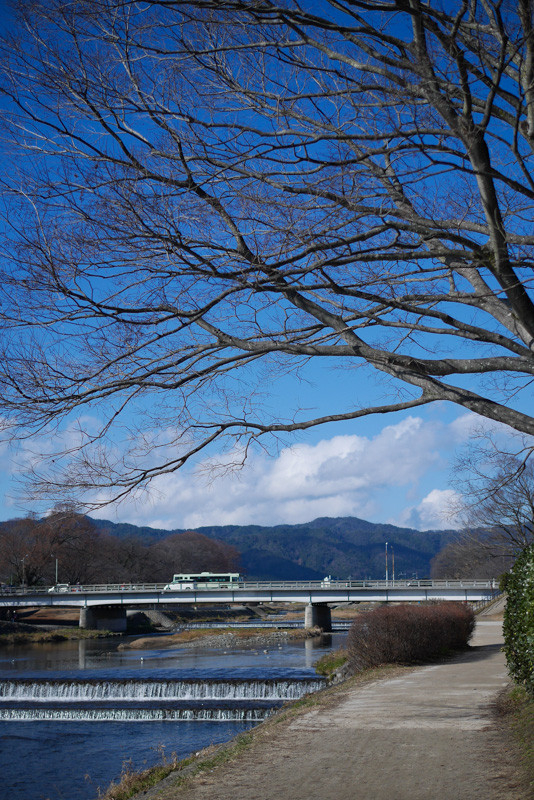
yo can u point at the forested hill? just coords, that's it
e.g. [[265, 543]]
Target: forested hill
[[342, 547]]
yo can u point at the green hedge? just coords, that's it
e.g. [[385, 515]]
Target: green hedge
[[518, 627]]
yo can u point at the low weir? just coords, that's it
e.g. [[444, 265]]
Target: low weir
[[149, 699]]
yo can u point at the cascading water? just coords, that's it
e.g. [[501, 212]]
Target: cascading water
[[57, 747], [148, 699], [271, 689]]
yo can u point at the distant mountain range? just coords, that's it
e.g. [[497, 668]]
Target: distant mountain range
[[341, 547]]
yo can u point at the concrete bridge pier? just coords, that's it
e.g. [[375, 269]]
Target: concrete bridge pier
[[317, 615], [106, 618]]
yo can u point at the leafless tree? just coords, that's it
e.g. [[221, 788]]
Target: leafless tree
[[23, 554], [205, 196], [471, 554], [494, 478], [191, 552], [29, 548]]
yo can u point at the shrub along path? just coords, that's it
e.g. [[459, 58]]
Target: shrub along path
[[424, 734]]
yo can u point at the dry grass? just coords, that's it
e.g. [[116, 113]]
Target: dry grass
[[56, 635], [331, 662], [51, 616], [186, 637], [515, 709], [132, 782]]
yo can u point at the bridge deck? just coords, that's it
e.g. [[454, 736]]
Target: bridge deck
[[314, 592]]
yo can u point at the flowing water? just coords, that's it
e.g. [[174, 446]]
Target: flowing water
[[74, 714]]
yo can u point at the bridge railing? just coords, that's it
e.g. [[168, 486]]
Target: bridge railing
[[332, 585]]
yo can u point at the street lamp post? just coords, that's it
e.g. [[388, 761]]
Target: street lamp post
[[24, 570], [53, 556], [386, 563]]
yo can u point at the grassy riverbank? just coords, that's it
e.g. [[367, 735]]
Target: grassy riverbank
[[170, 774], [48, 625], [13, 633], [511, 745]]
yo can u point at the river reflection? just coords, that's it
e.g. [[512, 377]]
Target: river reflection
[[89, 654], [66, 760]]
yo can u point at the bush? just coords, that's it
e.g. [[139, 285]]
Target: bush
[[408, 634], [518, 626]]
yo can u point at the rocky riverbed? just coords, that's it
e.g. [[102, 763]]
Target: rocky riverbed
[[252, 637]]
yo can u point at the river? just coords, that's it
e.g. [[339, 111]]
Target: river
[[74, 714]]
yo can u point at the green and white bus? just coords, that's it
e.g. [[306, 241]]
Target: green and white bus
[[204, 580]]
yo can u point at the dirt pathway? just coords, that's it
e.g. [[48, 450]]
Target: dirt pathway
[[425, 735]]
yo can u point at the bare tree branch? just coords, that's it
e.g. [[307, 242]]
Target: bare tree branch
[[203, 196]]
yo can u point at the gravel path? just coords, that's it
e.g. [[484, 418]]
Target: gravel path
[[427, 734]]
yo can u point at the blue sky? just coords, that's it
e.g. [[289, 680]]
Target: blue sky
[[384, 469], [391, 469]]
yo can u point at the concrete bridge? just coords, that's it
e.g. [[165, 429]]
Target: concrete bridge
[[104, 605]]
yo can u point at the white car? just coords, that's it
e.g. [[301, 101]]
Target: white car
[[60, 587], [179, 587]]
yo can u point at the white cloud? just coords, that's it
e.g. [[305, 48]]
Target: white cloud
[[436, 511], [369, 477]]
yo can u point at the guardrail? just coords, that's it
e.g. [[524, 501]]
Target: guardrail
[[337, 625], [245, 586]]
